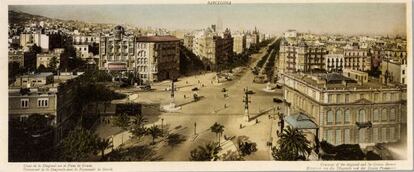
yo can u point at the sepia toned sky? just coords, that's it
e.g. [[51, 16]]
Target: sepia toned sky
[[345, 18]]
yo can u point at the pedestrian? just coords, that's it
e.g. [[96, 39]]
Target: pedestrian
[[186, 82], [225, 106], [257, 121], [241, 126], [202, 85], [185, 96]]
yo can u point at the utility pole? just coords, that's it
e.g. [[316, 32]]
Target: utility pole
[[246, 104]]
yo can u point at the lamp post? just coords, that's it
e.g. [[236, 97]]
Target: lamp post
[[246, 104], [162, 124], [195, 128]]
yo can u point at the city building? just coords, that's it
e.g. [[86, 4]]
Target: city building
[[188, 41], [82, 51], [16, 56], [47, 95], [394, 71], [357, 59], [296, 55], [344, 110], [157, 58], [214, 51], [290, 34], [30, 39], [46, 58], [85, 39], [239, 43], [117, 51], [334, 62]]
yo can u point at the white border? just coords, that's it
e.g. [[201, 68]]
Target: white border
[[192, 166]]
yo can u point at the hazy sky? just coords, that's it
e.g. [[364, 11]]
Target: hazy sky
[[355, 18]]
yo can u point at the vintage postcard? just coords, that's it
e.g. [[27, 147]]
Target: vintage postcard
[[220, 85]]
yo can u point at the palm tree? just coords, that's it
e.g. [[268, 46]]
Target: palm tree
[[102, 144], [155, 132], [122, 121], [218, 129], [208, 152], [293, 145]]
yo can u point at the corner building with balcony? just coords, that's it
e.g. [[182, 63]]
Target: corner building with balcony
[[347, 110], [117, 51]]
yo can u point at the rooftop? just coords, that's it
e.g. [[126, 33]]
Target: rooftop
[[336, 81], [157, 39]]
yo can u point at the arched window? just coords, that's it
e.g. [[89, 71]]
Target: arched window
[[384, 116], [347, 116], [361, 115], [377, 115], [338, 117], [330, 118]]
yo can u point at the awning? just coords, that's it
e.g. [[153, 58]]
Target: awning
[[300, 121]]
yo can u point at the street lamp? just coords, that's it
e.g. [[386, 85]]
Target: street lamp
[[195, 128], [162, 124]]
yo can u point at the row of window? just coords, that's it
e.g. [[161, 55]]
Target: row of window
[[356, 53], [345, 98], [340, 117], [379, 135], [41, 102]]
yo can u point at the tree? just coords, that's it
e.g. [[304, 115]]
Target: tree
[[247, 148], [36, 49], [293, 145], [102, 145], [155, 132], [231, 156], [41, 68], [208, 152], [122, 121], [53, 64], [138, 131], [78, 145], [174, 139], [218, 129]]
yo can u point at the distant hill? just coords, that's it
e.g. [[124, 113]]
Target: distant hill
[[17, 17]]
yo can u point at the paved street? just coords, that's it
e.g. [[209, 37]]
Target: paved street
[[213, 107]]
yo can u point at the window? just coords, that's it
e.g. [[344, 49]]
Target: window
[[392, 133], [338, 98], [392, 114], [338, 137], [384, 116], [346, 98], [338, 117], [330, 98], [330, 118], [361, 116], [403, 72], [347, 136], [361, 136], [347, 116], [376, 96], [24, 103], [331, 138], [383, 134], [377, 115], [42, 102], [375, 136]]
